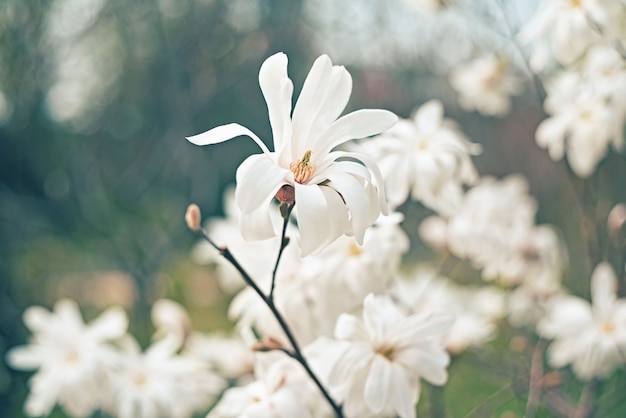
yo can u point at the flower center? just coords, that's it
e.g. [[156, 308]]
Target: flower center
[[386, 351], [303, 169], [608, 327]]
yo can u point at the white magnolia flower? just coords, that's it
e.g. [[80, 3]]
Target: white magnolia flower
[[582, 123], [565, 27], [388, 352], [159, 382], [334, 191], [70, 357], [486, 84], [590, 337], [427, 157], [280, 391]]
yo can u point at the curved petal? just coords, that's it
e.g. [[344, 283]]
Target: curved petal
[[377, 385], [429, 116], [322, 216], [336, 98], [358, 124], [277, 89], [309, 103], [349, 327], [369, 162], [403, 396], [258, 178], [363, 211], [257, 225], [224, 133], [603, 287], [111, 324]]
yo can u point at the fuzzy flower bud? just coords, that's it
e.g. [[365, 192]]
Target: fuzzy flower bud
[[193, 217]]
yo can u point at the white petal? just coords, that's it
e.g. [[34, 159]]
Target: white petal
[[359, 124], [404, 397], [429, 116], [277, 89], [429, 360], [224, 133], [111, 324], [349, 363], [322, 216], [309, 104], [27, 357], [257, 225], [349, 327], [363, 212], [258, 180], [377, 385], [371, 165], [335, 100], [603, 286]]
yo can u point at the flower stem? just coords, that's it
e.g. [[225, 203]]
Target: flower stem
[[296, 354], [284, 241], [586, 404]]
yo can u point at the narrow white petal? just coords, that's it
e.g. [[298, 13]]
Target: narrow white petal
[[258, 179], [403, 395], [111, 324], [350, 363], [603, 286], [377, 385], [359, 124], [277, 89], [257, 225], [309, 104], [336, 98], [224, 133], [363, 212], [27, 357], [322, 216], [429, 116], [371, 165], [349, 327]]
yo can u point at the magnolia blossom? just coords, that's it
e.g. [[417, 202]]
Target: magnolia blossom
[[158, 382], [427, 157], [281, 390], [566, 28], [70, 357], [388, 352], [582, 122], [590, 337], [486, 84], [335, 192]]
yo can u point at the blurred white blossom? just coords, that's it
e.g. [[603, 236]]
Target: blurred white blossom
[[69, 356], [379, 371], [427, 158], [486, 84], [564, 29], [590, 337]]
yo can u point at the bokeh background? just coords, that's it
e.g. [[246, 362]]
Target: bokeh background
[[97, 96]]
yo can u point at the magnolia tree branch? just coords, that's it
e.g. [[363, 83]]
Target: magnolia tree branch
[[296, 351], [285, 211]]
